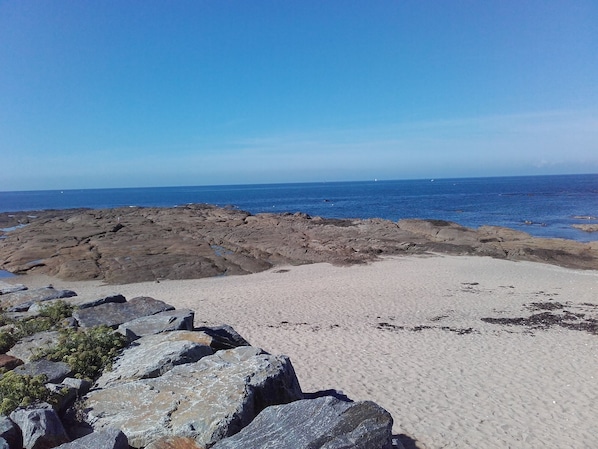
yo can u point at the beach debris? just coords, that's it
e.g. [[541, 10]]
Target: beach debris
[[585, 320]]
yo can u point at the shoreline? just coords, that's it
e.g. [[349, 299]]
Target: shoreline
[[407, 332]]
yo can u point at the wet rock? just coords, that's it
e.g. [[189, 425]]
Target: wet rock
[[198, 241], [40, 426], [207, 400], [115, 314], [325, 422]]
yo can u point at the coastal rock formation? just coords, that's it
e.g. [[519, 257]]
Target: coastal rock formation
[[179, 388], [148, 244]]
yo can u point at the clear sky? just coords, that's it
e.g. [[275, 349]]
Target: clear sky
[[162, 93]]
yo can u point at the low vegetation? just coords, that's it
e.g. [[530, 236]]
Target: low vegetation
[[50, 317], [87, 352], [18, 390]]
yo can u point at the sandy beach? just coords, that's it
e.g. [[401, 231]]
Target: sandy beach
[[408, 334]]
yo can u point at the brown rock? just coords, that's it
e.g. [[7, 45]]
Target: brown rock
[[201, 241], [9, 362]]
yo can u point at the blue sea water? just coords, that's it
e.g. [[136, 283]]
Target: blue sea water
[[544, 206]]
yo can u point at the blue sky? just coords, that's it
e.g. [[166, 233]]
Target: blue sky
[[163, 93]]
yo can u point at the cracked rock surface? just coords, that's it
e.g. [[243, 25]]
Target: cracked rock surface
[[124, 245]]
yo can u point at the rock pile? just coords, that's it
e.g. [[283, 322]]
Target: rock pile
[[173, 386]]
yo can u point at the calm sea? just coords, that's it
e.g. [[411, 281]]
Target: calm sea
[[540, 205]]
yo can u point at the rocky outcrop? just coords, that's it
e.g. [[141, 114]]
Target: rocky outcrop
[[586, 227], [206, 400], [324, 422], [139, 244]]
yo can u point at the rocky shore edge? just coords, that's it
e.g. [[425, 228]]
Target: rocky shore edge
[[135, 244], [173, 385]]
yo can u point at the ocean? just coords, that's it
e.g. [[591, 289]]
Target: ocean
[[544, 206]]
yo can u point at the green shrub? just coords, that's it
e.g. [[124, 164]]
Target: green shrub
[[56, 311], [18, 390], [50, 317], [87, 352], [7, 341]]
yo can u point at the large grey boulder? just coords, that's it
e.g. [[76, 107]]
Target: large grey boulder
[[207, 400], [154, 355], [6, 288], [55, 372], [40, 426], [115, 314], [24, 349], [105, 439], [22, 300], [169, 320], [322, 423]]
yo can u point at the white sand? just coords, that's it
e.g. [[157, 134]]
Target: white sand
[[497, 387]]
